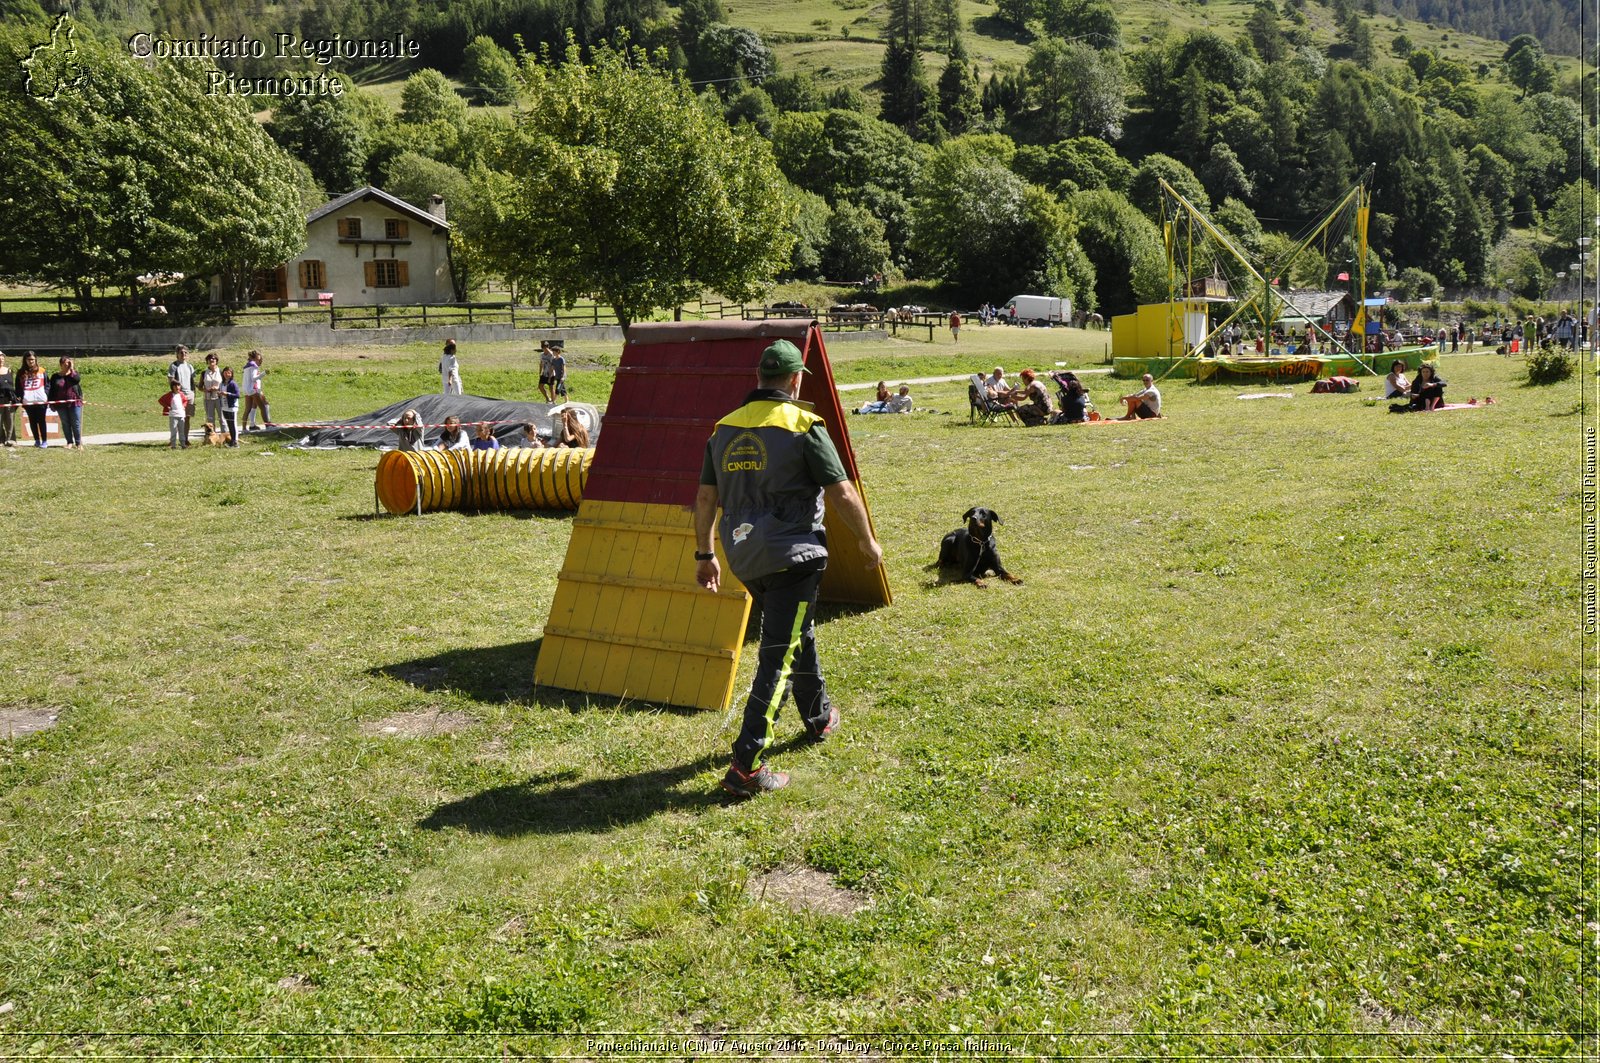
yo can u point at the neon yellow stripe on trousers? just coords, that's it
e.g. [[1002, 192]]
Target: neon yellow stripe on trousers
[[783, 680]]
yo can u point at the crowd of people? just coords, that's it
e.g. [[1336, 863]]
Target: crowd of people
[[28, 388], [1032, 403]]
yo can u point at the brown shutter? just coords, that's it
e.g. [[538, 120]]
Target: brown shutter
[[372, 273], [282, 279], [404, 274], [304, 269], [344, 228], [402, 228]]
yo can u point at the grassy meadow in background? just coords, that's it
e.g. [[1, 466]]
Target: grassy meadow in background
[[1277, 749]]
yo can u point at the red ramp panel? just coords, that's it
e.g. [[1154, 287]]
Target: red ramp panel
[[628, 619]]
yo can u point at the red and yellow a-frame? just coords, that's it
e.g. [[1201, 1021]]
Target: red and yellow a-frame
[[628, 619]]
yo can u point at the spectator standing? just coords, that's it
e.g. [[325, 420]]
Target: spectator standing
[[182, 373], [547, 371], [34, 392], [8, 402], [66, 395], [255, 392], [955, 326], [450, 369], [211, 389], [772, 535], [230, 405], [175, 404], [558, 372]]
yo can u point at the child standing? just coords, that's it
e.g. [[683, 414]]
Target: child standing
[[230, 405], [175, 404], [450, 369]]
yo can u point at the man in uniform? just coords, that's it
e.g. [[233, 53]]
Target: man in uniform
[[769, 465]]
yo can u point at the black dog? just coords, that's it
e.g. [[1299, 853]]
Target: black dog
[[973, 548]]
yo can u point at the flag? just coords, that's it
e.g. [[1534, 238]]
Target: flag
[[1344, 276]]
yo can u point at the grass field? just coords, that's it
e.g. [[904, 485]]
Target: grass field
[[1277, 751]]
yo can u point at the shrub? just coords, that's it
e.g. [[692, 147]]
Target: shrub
[[1549, 365]]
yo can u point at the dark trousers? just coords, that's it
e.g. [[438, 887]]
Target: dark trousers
[[70, 417], [35, 412], [230, 421], [8, 421], [786, 602]]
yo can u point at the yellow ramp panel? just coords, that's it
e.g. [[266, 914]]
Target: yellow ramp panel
[[628, 619]]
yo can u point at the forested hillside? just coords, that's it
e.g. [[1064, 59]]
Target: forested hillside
[[1016, 146], [1554, 22]]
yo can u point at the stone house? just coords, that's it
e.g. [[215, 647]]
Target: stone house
[[365, 247]]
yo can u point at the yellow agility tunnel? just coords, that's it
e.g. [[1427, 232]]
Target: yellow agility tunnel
[[476, 480]]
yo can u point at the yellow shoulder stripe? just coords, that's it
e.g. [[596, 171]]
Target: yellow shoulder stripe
[[769, 414]]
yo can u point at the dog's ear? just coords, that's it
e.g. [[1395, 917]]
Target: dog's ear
[[968, 514], [995, 517]]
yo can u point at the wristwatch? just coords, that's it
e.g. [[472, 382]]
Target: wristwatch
[[698, 556]]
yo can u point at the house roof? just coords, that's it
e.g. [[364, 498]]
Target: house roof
[[362, 195], [1315, 304]]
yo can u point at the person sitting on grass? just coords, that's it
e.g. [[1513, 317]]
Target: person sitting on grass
[[879, 403], [1427, 391], [484, 439], [408, 432], [1036, 407], [452, 436], [573, 434], [901, 403], [1395, 385], [1144, 403], [1074, 398], [530, 435]]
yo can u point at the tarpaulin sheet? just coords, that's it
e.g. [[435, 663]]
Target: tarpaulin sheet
[[433, 409]]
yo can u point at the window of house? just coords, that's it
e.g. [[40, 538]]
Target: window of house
[[395, 229], [387, 273], [265, 283], [312, 274], [349, 228]]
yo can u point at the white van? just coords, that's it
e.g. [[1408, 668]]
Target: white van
[[1039, 309]]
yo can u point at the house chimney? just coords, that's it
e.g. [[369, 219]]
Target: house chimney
[[436, 206]]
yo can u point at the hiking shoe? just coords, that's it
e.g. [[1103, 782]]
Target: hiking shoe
[[753, 783], [818, 734]]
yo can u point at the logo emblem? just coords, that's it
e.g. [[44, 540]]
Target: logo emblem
[[53, 66], [742, 532], [746, 453]]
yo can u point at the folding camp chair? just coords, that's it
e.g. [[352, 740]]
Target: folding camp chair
[[983, 409]]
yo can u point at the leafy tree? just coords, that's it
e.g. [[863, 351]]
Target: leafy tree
[[1223, 175], [1077, 89], [1084, 163], [837, 154], [811, 214], [491, 69], [731, 56], [1571, 215], [1495, 181], [1415, 284], [979, 225], [752, 106], [1358, 35], [1124, 247], [1526, 66], [846, 98], [857, 246], [1092, 20], [617, 182], [131, 169], [1236, 219], [428, 96], [1402, 47], [1145, 191], [414, 178], [326, 133], [793, 91]]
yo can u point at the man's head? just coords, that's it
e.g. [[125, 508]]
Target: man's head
[[905, 389], [1148, 380], [780, 367], [998, 372], [182, 353]]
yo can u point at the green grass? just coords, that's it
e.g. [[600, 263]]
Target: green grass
[[1276, 745]]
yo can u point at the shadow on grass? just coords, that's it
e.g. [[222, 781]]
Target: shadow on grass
[[501, 674], [554, 804], [563, 515]]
